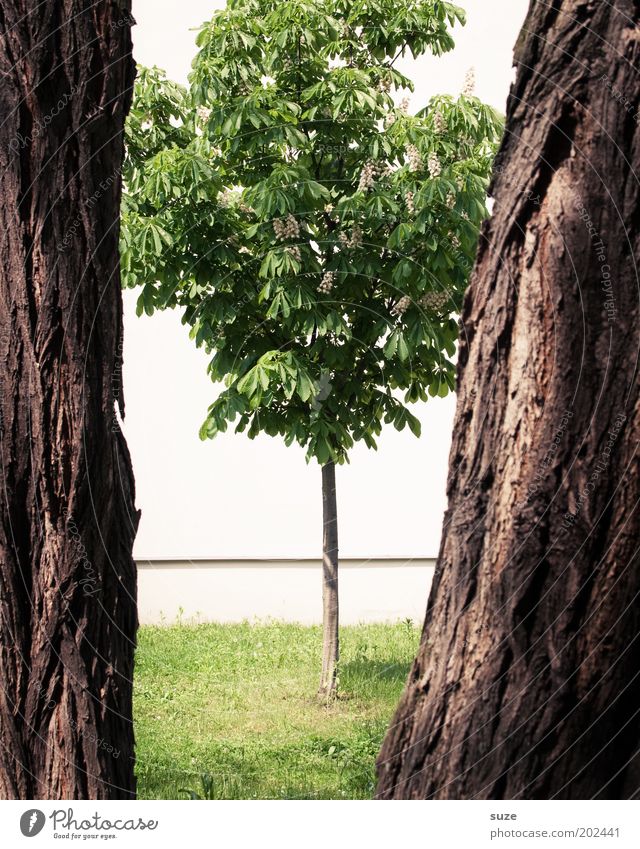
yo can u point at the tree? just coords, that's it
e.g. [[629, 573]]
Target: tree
[[317, 237], [526, 682], [67, 518]]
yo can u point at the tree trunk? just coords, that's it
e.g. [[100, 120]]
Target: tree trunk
[[527, 682], [67, 519], [330, 607]]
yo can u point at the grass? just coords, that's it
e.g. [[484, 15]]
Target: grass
[[230, 712]]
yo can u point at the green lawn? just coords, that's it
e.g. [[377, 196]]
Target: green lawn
[[236, 704]]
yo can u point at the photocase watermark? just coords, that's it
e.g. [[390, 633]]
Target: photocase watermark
[[65, 825], [99, 741], [32, 822], [529, 195], [91, 202], [605, 269], [49, 704], [90, 583], [40, 127], [601, 465], [323, 387], [619, 95], [334, 149], [127, 20], [116, 383], [474, 635], [547, 460], [64, 819]]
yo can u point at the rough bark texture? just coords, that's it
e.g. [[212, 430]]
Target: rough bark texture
[[67, 519], [527, 682], [330, 606]]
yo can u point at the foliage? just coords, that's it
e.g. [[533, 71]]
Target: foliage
[[224, 711], [317, 236]]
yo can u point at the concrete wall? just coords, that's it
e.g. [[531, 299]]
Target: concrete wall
[[376, 590]]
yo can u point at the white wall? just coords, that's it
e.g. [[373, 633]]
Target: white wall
[[233, 497], [238, 590]]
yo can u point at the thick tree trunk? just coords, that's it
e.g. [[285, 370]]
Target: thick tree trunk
[[330, 607], [67, 519], [527, 683]]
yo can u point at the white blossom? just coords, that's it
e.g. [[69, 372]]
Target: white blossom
[[402, 306], [231, 197], [226, 198], [434, 300], [410, 204], [371, 172], [469, 87], [435, 166], [354, 240], [439, 123], [286, 228], [326, 284], [413, 155], [367, 177]]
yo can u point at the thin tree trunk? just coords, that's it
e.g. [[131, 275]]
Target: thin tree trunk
[[67, 520], [527, 682], [330, 607]]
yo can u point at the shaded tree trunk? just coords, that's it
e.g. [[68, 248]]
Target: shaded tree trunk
[[330, 606], [527, 682], [67, 519]]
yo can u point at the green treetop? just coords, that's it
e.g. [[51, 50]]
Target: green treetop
[[317, 236]]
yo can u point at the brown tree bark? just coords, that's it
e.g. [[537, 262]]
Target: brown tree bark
[[527, 682], [330, 601], [67, 519]]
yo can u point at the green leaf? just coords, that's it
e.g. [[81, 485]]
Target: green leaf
[[392, 345], [403, 348], [414, 424], [304, 386], [249, 383]]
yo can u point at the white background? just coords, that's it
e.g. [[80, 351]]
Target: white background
[[235, 497]]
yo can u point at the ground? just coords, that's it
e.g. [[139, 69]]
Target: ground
[[230, 711]]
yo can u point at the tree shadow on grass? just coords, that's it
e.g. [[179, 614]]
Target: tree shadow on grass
[[364, 672]]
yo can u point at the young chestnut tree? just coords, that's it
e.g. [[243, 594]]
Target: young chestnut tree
[[317, 236]]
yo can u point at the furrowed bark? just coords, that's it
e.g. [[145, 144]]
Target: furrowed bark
[[330, 605], [67, 519], [527, 682]]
